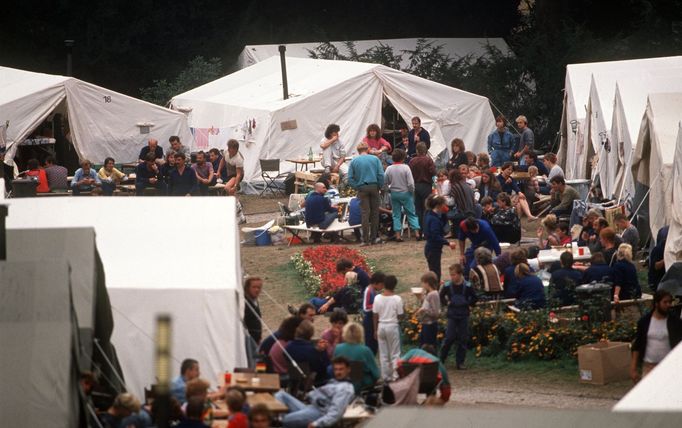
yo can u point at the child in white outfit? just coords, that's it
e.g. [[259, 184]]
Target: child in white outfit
[[388, 307]]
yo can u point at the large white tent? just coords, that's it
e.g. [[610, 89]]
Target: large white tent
[[652, 167], [453, 47], [102, 122], [150, 269], [673, 245], [248, 105], [578, 146]]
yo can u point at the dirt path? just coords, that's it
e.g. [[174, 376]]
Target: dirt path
[[478, 386]]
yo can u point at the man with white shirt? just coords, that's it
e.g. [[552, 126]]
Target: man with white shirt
[[658, 332], [333, 156]]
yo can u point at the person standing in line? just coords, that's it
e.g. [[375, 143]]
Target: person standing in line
[[423, 171], [399, 179], [388, 308], [366, 175], [658, 332]]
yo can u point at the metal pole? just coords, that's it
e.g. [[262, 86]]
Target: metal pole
[[69, 51], [282, 59], [163, 370], [3, 232]]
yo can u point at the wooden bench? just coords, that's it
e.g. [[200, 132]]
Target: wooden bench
[[335, 227]]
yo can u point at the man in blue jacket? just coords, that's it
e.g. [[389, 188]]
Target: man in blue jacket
[[500, 143], [366, 175], [480, 234], [328, 403], [319, 211]]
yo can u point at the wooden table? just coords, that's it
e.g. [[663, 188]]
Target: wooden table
[[553, 255], [304, 163], [268, 382]]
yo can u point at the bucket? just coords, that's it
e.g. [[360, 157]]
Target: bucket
[[262, 237]]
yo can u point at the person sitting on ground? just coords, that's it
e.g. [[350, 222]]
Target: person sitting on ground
[[629, 234], [471, 158], [85, 179], [189, 369], [510, 284], [215, 158], [609, 246], [183, 180], [505, 222], [443, 184], [483, 163], [353, 349], [319, 212], [233, 163], [564, 233], [507, 183], [152, 148], [34, 170], [328, 403], [194, 413], [398, 178], [530, 291], [57, 175], [598, 271], [625, 282], [146, 175], [488, 208], [429, 311], [177, 147], [124, 405], [304, 351], [562, 197], [489, 186], [532, 189], [285, 334], [563, 281], [658, 332], [587, 235], [204, 173], [484, 277], [345, 265], [481, 234], [345, 298], [338, 319], [464, 171], [110, 176], [260, 416], [549, 226], [532, 160], [306, 311], [235, 403]]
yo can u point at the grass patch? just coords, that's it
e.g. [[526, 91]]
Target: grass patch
[[563, 368], [289, 285]]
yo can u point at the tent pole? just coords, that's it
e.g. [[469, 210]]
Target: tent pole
[[622, 186], [283, 62], [646, 195]]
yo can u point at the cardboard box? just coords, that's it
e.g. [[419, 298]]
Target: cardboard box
[[604, 362]]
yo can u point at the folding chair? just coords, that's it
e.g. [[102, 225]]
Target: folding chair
[[269, 170], [299, 383]]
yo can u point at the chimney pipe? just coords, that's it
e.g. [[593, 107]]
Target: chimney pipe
[[3, 233], [283, 62]]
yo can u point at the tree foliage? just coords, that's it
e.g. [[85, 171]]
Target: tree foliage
[[197, 72]]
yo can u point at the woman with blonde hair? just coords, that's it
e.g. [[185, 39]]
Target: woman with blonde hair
[[354, 349], [625, 283], [549, 225]]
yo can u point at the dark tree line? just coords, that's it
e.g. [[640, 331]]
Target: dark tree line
[[128, 45]]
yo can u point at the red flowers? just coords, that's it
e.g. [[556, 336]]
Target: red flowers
[[322, 260]]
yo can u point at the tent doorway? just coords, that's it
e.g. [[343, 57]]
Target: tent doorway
[[392, 124]]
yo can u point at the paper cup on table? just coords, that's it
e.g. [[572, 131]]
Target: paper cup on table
[[255, 381]]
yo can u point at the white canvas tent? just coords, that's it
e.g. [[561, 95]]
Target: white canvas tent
[[323, 92], [659, 391], [575, 150], [673, 245], [102, 122], [150, 270], [453, 47], [652, 167]]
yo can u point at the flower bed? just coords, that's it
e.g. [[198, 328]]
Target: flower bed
[[535, 335], [317, 267]]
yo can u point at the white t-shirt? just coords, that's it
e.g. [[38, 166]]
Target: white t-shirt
[[388, 308], [555, 171], [657, 341], [237, 161]]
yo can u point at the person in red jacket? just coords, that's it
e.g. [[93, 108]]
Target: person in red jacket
[[34, 170]]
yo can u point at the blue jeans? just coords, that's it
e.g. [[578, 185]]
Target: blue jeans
[[456, 333], [368, 324], [403, 201], [318, 302], [433, 256], [108, 188], [499, 157], [429, 334], [470, 262], [300, 414]]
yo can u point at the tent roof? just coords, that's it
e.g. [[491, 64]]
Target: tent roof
[[454, 47], [260, 86], [15, 84], [659, 391]]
